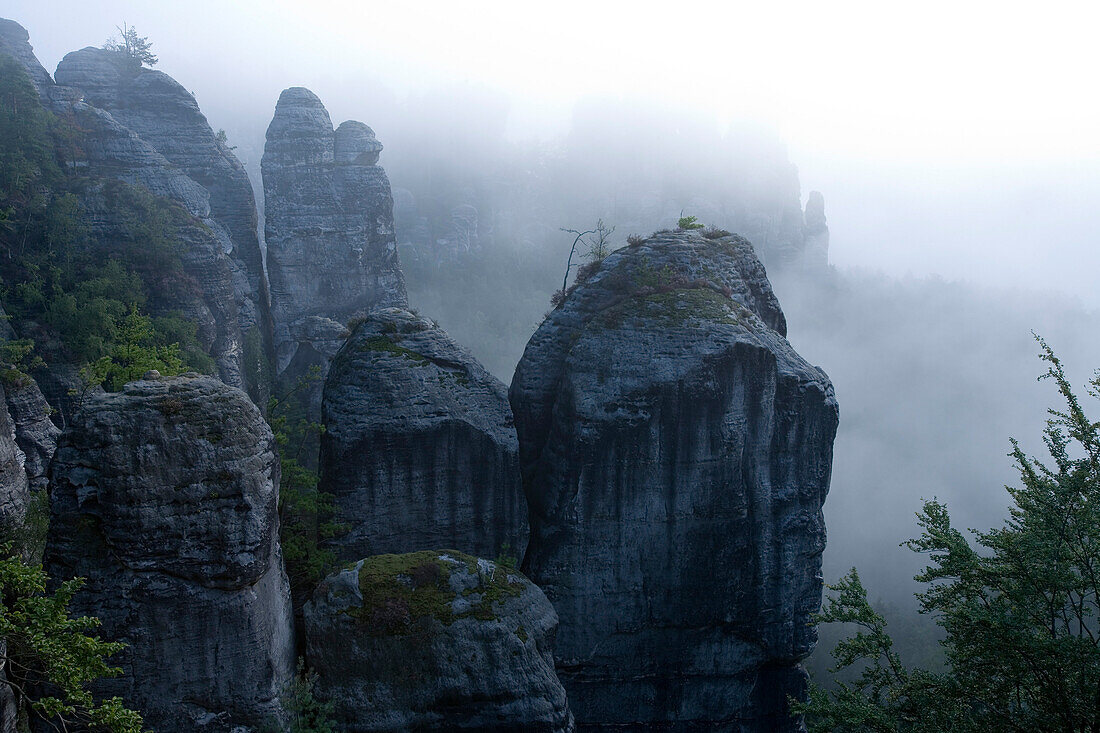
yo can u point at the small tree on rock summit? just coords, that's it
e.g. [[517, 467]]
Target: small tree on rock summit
[[132, 47]]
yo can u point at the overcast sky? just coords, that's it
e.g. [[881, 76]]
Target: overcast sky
[[947, 137]]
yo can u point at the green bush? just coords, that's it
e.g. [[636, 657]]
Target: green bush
[[133, 354], [688, 223], [1018, 607], [44, 644]]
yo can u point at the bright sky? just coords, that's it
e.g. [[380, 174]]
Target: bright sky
[[965, 99]]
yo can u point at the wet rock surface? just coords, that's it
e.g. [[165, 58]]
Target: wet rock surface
[[435, 640], [419, 446], [164, 497], [676, 453]]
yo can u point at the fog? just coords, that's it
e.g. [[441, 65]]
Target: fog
[[956, 150]]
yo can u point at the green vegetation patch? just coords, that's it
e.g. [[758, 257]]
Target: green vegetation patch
[[386, 345], [674, 308], [401, 590]]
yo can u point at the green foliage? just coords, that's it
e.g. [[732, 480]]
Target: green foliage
[[689, 222], [42, 643], [17, 360], [505, 558], [305, 513], [173, 330], [223, 139], [304, 712], [27, 159], [1018, 607], [133, 353], [29, 538], [73, 288], [886, 696], [133, 51]]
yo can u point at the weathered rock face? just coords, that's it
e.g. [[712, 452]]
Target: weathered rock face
[[14, 487], [224, 294], [419, 446], [35, 432], [676, 453], [164, 497], [435, 640], [331, 250], [166, 116]]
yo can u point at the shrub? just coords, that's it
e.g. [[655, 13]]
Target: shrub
[[1018, 606], [306, 714], [714, 233], [505, 558], [587, 270], [44, 644], [634, 240], [687, 223]]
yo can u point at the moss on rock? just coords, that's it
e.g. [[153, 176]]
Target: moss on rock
[[402, 592], [386, 345]]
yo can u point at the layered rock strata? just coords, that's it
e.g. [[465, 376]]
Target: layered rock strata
[[419, 447], [181, 161], [435, 640], [14, 485], [676, 453], [164, 114], [35, 433], [331, 249], [164, 496]]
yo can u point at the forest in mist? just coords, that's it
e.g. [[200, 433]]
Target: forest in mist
[[941, 268]]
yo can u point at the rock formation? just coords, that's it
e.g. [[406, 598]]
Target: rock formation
[[164, 497], [816, 230], [224, 294], [675, 453], [14, 486], [162, 113], [35, 432], [331, 250], [435, 640], [419, 446]]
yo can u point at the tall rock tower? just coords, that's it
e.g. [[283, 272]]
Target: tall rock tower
[[331, 249], [675, 453]]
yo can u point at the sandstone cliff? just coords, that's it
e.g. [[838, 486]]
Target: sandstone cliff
[[220, 287], [419, 447], [435, 640], [676, 452], [14, 486], [328, 209], [163, 114], [164, 497]]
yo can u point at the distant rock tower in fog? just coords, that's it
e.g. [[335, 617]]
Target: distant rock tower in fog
[[816, 248], [331, 251]]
